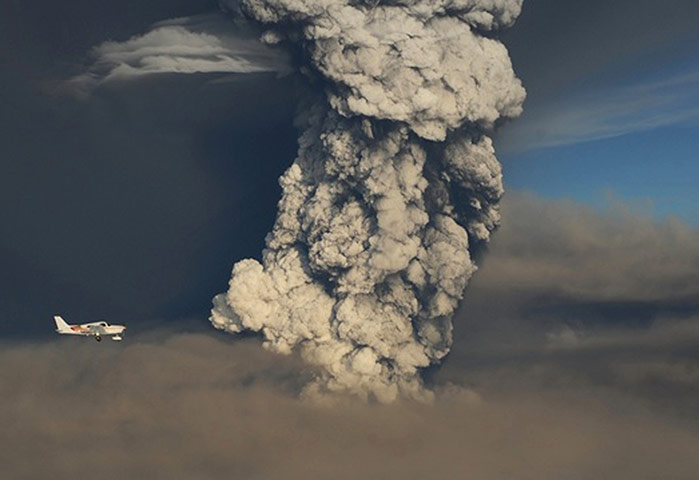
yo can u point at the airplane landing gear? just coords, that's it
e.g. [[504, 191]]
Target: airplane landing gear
[[98, 338]]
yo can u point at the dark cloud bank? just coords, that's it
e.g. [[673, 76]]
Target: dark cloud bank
[[122, 207], [576, 359]]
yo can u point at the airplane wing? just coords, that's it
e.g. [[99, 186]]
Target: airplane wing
[[66, 329]]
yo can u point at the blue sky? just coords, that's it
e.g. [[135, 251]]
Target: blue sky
[[629, 131]]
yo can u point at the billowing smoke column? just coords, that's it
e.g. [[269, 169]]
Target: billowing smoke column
[[394, 182]]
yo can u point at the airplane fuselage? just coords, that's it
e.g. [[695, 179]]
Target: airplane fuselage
[[94, 329]]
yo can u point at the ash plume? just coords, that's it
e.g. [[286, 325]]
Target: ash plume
[[395, 182]]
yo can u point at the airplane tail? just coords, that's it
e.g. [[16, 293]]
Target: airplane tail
[[61, 325]]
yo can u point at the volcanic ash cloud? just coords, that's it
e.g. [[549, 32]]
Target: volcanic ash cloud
[[395, 181]]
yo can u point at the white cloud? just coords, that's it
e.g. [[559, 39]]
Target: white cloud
[[605, 113], [199, 44]]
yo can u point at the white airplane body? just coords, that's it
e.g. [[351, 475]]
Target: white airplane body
[[94, 329]]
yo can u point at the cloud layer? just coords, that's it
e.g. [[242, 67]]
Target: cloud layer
[[190, 406], [609, 302], [620, 256], [535, 388]]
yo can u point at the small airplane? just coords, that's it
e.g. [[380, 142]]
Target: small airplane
[[94, 329]]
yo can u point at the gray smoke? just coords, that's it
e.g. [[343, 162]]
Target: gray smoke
[[394, 184]]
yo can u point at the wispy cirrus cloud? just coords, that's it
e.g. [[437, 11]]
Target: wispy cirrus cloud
[[606, 113]]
